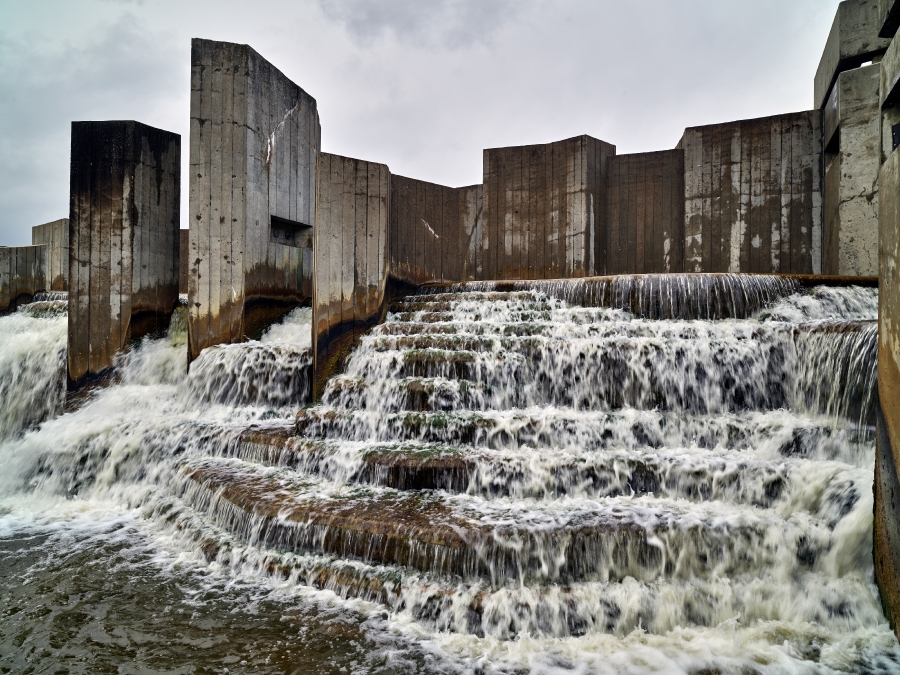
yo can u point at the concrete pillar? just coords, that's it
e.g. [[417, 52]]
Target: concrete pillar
[[431, 230], [352, 259], [645, 213], [544, 210], [853, 40], [22, 274], [123, 239], [852, 140], [254, 140], [55, 237], [887, 479], [752, 195]]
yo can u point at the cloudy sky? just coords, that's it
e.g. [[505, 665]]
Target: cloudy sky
[[422, 85]]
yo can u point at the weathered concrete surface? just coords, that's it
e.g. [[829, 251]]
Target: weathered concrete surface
[[22, 274], [853, 40], [645, 212], [352, 259], [887, 480], [753, 200], [852, 160], [471, 214], [124, 203], [888, 18], [55, 236], [425, 231], [254, 140], [184, 262], [544, 210]]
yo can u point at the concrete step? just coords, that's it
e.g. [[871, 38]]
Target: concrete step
[[567, 610], [564, 541], [772, 435], [545, 473]]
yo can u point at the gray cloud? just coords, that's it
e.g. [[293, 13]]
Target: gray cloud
[[454, 24], [420, 86], [121, 72]]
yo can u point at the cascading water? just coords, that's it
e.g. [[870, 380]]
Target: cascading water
[[665, 474]]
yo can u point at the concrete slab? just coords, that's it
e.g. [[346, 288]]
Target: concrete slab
[[255, 136], [55, 236], [752, 195], [544, 210], [352, 257], [23, 272], [123, 235]]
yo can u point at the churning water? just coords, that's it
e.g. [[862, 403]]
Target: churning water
[[668, 475]]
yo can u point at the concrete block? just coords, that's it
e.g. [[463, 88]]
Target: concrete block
[[23, 272], [352, 257], [887, 480], [255, 136], [645, 213], [753, 201], [431, 230], [853, 40], [55, 236], [888, 18], [544, 210], [852, 160], [889, 93], [124, 202]]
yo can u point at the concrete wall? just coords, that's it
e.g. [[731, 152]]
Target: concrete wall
[[55, 236], [853, 40], [254, 140], [184, 262], [22, 274], [752, 195], [852, 138], [124, 202], [353, 199], [887, 480], [425, 231], [645, 213], [544, 208]]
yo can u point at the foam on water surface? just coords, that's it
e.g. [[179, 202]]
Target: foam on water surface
[[603, 492]]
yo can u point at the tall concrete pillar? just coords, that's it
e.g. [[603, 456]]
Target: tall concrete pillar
[[352, 259], [55, 237], [852, 141], [123, 239], [254, 140], [23, 272]]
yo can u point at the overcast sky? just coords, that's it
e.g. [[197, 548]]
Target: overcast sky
[[421, 85]]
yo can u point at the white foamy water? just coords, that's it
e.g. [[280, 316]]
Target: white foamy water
[[498, 483]]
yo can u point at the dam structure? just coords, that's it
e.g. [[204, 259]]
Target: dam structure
[[598, 413]]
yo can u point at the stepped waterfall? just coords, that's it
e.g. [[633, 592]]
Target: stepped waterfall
[[661, 474]]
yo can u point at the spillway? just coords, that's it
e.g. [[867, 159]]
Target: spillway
[[644, 475]]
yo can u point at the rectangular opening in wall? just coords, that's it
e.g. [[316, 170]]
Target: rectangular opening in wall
[[290, 232]]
